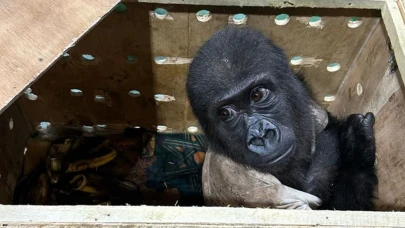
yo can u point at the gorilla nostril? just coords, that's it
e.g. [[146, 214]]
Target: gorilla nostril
[[270, 133], [257, 142]]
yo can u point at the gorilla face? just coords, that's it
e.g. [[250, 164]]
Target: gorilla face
[[250, 105], [250, 122]]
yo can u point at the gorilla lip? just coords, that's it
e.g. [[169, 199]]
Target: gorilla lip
[[285, 154]]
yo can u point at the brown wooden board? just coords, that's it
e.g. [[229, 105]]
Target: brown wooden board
[[390, 129], [12, 143], [136, 32]]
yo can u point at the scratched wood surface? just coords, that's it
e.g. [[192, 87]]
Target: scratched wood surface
[[135, 32], [147, 216]]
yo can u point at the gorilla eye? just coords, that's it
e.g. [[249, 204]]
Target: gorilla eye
[[258, 94], [225, 113]]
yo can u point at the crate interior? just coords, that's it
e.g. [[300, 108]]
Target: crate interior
[[109, 81]]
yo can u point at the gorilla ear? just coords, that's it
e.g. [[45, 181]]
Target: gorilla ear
[[321, 117]]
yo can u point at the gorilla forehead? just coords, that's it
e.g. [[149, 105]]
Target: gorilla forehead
[[233, 56]]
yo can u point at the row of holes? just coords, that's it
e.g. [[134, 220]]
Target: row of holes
[[90, 129], [240, 18], [296, 60], [100, 98]]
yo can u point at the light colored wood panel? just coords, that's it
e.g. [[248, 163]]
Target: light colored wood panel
[[368, 69], [388, 85], [147, 216], [35, 33], [395, 25], [389, 132], [354, 4]]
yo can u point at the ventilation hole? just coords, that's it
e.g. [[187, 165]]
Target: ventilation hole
[[65, 54], [161, 13], [28, 91], [131, 58], [315, 21], [43, 126], [160, 59], [87, 57], [99, 98], [203, 15], [354, 22], [376, 161], [164, 98], [134, 93], [359, 89], [329, 98], [76, 92], [101, 126], [239, 18], [192, 129], [161, 128], [11, 123], [296, 60], [333, 67], [31, 96], [120, 7], [88, 129], [282, 19]]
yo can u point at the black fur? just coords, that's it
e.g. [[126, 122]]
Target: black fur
[[258, 133]]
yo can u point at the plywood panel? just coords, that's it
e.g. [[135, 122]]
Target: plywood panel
[[35, 34], [354, 4], [146, 216], [364, 75], [121, 34], [135, 32], [390, 129]]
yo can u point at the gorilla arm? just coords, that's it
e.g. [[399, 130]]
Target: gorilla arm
[[227, 183]]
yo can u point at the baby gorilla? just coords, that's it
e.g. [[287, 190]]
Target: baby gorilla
[[256, 111]]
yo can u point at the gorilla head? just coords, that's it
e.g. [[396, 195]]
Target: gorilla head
[[249, 103]]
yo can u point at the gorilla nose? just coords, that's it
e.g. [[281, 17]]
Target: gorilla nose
[[262, 134]]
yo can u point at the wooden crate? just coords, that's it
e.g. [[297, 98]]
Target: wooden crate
[[36, 35]]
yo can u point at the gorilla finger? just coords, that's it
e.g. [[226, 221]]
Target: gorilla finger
[[369, 119]]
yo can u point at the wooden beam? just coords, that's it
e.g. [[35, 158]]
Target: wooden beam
[[34, 34], [354, 4], [147, 216], [395, 25]]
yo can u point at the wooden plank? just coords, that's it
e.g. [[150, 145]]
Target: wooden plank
[[395, 25], [35, 33], [354, 4], [366, 72], [147, 216], [12, 145], [389, 131], [389, 84]]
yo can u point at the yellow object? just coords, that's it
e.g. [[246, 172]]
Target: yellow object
[[91, 163]]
